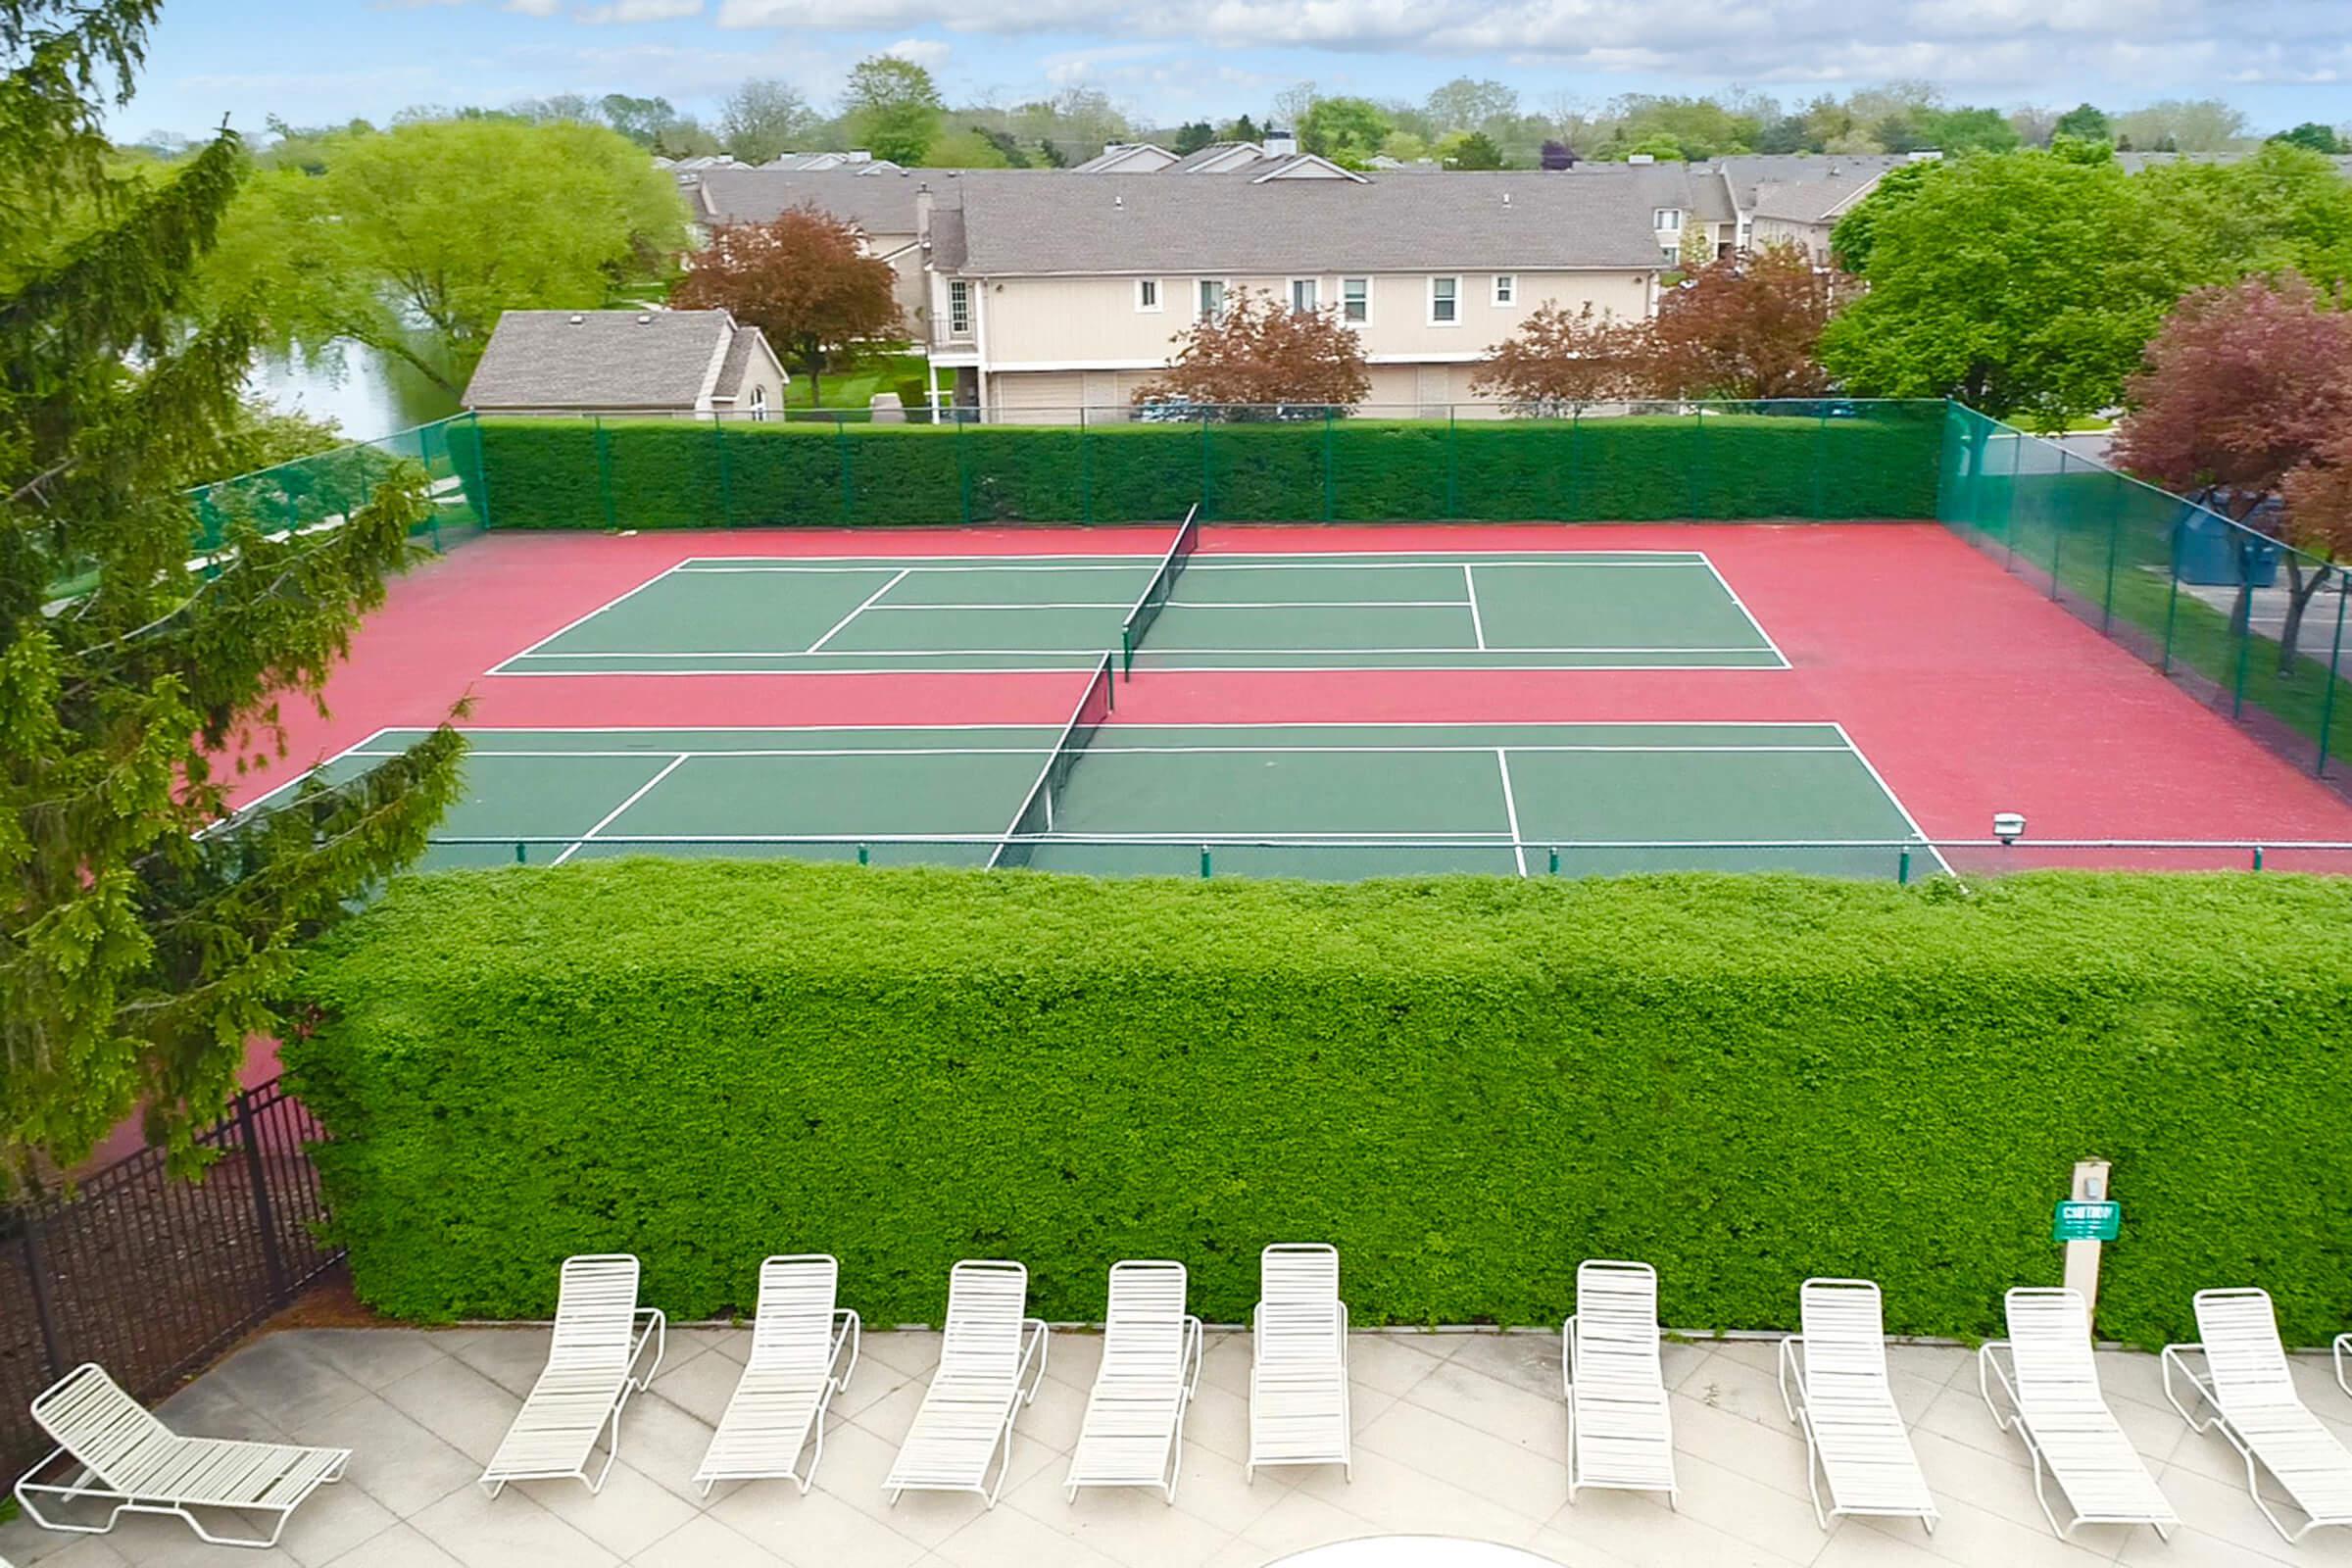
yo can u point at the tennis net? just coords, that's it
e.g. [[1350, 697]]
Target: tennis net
[[1036, 815], [1159, 591]]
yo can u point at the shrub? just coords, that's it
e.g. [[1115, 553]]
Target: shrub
[[1468, 1085], [1877, 460]]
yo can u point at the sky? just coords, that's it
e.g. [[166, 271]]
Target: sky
[[326, 61]]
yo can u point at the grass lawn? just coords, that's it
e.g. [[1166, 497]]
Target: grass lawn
[[855, 387]]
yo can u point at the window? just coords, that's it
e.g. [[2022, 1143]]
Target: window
[[1743, 234], [1213, 299], [1669, 254], [1355, 300], [1303, 292], [758, 403], [1147, 293], [1667, 220], [1445, 301], [959, 308], [1507, 289]]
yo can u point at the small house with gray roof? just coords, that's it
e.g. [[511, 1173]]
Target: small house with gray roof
[[676, 363]]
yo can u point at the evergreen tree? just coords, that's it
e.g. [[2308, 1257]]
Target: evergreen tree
[[142, 937]]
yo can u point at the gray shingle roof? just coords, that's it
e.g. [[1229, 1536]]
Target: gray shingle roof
[[1024, 225], [600, 359], [878, 203]]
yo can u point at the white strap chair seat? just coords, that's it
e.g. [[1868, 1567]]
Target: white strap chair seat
[[1834, 1384], [132, 1462], [990, 1360], [590, 1374], [2255, 1404], [1133, 1430], [795, 1367], [2051, 1389], [1298, 1360], [1619, 1428]]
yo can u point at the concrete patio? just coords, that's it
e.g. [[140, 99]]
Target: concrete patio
[[1458, 1433]]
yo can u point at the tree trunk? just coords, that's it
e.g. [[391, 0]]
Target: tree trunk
[[2299, 596]]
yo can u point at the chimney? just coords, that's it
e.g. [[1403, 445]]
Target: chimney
[[1118, 201], [1507, 198], [1280, 144], [923, 214]]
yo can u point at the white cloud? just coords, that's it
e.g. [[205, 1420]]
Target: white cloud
[[533, 7], [928, 53], [625, 11]]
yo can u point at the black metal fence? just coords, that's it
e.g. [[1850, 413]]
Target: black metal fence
[[150, 1276]]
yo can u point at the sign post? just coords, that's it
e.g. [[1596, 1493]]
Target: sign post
[[2082, 1222]]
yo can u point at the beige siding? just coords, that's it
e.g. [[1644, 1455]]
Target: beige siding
[[1814, 239]]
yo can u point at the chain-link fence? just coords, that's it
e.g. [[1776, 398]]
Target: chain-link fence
[[2252, 626], [320, 491]]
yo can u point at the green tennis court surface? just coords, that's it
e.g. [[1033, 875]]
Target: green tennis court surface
[[1570, 610], [1348, 801]]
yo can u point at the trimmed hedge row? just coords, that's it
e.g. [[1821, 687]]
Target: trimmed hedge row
[[1468, 1085], [582, 473]]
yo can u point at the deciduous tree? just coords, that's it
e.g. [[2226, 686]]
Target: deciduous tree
[[1261, 352], [1347, 131], [413, 241], [764, 119], [143, 934], [1745, 328], [2246, 399], [1559, 358], [892, 108], [805, 280], [2084, 122]]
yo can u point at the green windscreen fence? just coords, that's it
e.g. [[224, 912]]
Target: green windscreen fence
[[2254, 628], [321, 490], [1804, 459]]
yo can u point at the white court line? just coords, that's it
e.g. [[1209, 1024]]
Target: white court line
[[828, 636], [1116, 748], [1302, 561], [605, 821], [1893, 799], [1477, 627], [1510, 808], [816, 651], [1087, 659], [1243, 723], [1193, 603], [358, 748], [500, 666], [1746, 613]]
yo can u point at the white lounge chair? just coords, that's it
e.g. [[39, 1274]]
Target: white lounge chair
[[126, 1457], [591, 1372], [1298, 1360], [990, 1360], [1133, 1432], [1834, 1384], [1620, 1432], [2255, 1404], [796, 1368], [2051, 1388]]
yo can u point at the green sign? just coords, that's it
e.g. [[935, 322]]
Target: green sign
[[2080, 1220]]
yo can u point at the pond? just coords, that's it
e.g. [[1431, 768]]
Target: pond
[[368, 393]]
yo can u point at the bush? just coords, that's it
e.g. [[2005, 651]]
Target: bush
[[668, 473], [1468, 1085]]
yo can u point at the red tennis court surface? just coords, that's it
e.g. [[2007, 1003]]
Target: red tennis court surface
[[1968, 692]]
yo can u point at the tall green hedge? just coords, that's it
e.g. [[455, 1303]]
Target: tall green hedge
[[1468, 1085], [1877, 462]]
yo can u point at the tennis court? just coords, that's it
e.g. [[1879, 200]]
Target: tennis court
[[1346, 800], [1563, 609]]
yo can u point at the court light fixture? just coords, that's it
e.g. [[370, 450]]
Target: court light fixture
[[2008, 827]]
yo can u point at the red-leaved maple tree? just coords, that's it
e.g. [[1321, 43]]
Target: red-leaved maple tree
[[1743, 327], [1559, 358], [2245, 399], [1258, 351], [804, 278]]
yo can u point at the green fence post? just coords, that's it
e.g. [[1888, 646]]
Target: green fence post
[[1086, 469], [1570, 510], [2172, 606], [865, 854], [521, 859], [2057, 521], [2335, 673], [2245, 649], [2115, 545], [1207, 510], [1699, 458], [481, 467], [1327, 482], [848, 481], [2257, 857], [1555, 868], [727, 476], [1821, 446], [1453, 468], [604, 472], [1902, 869], [964, 473], [1204, 863], [2017, 461]]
